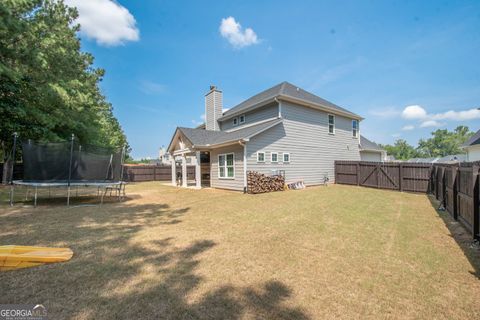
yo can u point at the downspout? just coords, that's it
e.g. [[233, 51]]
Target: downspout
[[279, 107], [244, 144]]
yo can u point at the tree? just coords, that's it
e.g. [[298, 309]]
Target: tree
[[401, 150], [48, 86], [444, 142]]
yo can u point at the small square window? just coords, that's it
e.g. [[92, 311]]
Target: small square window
[[274, 157], [235, 121], [260, 156], [242, 119], [286, 157]]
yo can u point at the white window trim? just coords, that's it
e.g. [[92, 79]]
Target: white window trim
[[271, 157], [263, 157], [283, 157], [240, 119], [328, 120], [235, 120], [225, 167], [356, 129]]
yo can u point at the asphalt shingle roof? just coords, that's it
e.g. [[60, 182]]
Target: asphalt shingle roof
[[475, 139], [366, 144], [202, 137], [284, 89]]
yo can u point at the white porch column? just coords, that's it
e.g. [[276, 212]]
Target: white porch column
[[198, 173], [174, 171], [184, 170]]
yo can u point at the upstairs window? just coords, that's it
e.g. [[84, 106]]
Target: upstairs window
[[242, 119], [286, 157], [355, 128], [235, 121], [274, 157], [226, 165], [331, 124], [260, 156]]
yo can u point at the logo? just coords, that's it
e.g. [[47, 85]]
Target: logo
[[23, 312]]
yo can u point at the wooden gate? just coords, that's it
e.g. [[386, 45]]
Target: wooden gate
[[379, 175]]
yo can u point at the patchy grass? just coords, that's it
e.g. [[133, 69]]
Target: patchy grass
[[327, 252]]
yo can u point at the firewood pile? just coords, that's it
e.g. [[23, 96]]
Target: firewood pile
[[260, 183]]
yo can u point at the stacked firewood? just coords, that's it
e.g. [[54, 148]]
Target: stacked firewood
[[260, 183]]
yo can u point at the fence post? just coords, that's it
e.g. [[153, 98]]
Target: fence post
[[400, 177], [358, 173], [476, 200], [155, 173], [455, 191]]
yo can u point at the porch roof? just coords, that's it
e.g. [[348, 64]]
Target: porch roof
[[210, 138]]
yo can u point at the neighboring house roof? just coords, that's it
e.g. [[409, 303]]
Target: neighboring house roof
[[287, 91], [202, 137], [368, 145], [475, 139], [453, 158]]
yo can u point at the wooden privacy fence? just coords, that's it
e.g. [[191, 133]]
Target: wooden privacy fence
[[138, 173], [457, 189], [414, 177]]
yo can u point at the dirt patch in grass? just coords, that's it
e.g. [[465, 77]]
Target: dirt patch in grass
[[327, 252]]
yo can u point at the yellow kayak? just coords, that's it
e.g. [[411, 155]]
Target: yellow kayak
[[16, 257]]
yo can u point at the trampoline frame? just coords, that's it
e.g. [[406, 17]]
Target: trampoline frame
[[119, 186]]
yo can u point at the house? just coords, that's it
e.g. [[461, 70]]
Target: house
[[370, 151], [472, 147], [282, 129]]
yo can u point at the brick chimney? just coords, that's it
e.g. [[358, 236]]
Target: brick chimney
[[213, 108]]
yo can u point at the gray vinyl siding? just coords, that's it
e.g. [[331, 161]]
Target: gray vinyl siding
[[233, 184], [371, 156], [304, 135], [268, 112]]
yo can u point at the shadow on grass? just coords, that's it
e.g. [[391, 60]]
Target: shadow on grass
[[460, 234], [122, 268]]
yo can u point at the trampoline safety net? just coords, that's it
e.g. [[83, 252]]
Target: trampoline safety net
[[50, 162]]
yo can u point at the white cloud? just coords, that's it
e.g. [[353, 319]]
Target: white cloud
[[233, 32], [388, 112], [431, 123], [408, 128], [396, 135], [465, 115], [414, 112], [106, 21]]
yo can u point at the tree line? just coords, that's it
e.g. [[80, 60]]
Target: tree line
[[441, 143], [49, 87]]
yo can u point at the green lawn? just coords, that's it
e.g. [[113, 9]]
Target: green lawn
[[334, 252]]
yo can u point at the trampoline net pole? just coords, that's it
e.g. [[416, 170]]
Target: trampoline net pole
[[13, 156], [13, 168], [70, 169]]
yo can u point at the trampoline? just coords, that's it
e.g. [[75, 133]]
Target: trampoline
[[70, 165]]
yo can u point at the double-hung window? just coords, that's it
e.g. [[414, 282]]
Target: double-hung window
[[355, 128], [235, 121], [260, 156], [226, 165], [241, 119], [331, 124], [286, 157], [274, 157]]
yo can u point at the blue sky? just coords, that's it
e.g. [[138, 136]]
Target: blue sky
[[374, 58]]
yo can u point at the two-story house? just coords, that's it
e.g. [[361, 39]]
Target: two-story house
[[282, 129]]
